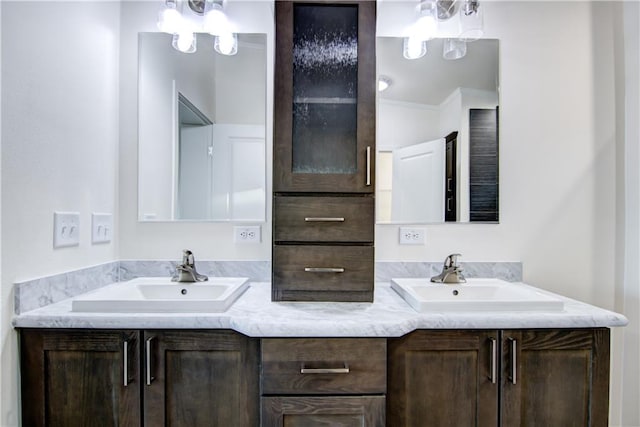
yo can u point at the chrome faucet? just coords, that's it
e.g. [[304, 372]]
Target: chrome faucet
[[186, 272], [451, 272]]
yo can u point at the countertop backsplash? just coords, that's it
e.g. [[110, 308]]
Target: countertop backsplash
[[36, 293]]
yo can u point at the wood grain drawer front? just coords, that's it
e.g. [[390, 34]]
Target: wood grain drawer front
[[324, 366], [324, 219], [316, 411], [299, 269]]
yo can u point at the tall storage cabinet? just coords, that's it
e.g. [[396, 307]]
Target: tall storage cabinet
[[324, 151]]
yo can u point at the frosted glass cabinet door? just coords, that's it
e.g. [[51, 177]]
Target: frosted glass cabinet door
[[325, 97]]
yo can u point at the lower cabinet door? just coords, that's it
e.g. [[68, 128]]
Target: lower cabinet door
[[200, 378], [315, 411], [443, 378], [80, 378], [555, 378]]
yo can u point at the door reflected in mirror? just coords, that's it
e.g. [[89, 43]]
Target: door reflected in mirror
[[437, 134], [201, 130]]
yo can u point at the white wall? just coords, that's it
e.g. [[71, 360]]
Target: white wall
[[59, 145], [166, 240]]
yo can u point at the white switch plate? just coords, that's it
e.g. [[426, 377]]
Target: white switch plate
[[412, 236], [246, 234], [66, 229], [101, 227]]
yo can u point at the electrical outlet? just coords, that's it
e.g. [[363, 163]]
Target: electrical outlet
[[101, 227], [246, 234], [66, 229], [411, 236]]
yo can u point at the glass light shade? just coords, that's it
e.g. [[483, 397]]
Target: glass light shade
[[169, 19], [454, 49], [226, 44], [184, 42], [215, 21], [471, 24], [414, 48]]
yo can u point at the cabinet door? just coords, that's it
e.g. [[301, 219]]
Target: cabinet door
[[80, 378], [342, 411], [324, 115], [443, 378], [555, 378], [200, 378]]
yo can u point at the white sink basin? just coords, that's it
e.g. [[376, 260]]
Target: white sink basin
[[475, 295], [161, 295]]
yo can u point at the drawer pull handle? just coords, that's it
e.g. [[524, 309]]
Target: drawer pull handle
[[323, 270], [323, 219], [514, 361], [493, 355], [343, 370], [368, 183], [150, 377], [125, 363]]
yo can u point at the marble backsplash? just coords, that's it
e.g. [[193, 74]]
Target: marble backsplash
[[43, 291]]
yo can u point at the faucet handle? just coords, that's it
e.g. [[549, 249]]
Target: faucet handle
[[452, 261]]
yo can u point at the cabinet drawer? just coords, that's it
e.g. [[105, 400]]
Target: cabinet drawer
[[323, 219], [324, 366], [322, 273]]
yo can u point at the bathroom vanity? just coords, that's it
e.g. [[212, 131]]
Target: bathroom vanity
[[263, 363]]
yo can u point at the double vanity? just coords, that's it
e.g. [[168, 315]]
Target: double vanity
[[145, 352]]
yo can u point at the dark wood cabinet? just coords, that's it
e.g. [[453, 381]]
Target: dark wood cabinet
[[553, 378], [200, 378], [324, 150], [135, 378], [443, 378], [80, 378], [323, 381]]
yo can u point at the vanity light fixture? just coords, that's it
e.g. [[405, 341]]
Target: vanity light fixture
[[201, 16], [430, 12], [383, 83]]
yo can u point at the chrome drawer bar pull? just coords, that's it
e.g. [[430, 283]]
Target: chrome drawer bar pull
[[514, 360], [125, 363], [149, 377], [323, 270], [494, 360], [343, 370], [368, 166], [323, 219]]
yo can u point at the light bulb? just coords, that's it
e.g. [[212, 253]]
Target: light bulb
[[184, 42], [414, 48], [215, 21], [226, 44], [426, 27], [383, 83], [471, 22], [169, 19]]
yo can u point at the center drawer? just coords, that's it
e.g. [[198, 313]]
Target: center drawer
[[323, 219], [324, 366]]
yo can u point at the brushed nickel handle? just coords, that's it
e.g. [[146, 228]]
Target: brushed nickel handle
[[494, 360], [148, 360], [125, 363], [343, 370], [368, 165], [324, 219], [514, 360], [323, 270], [449, 180], [449, 200]]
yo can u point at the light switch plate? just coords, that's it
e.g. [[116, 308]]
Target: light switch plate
[[101, 227], [66, 229]]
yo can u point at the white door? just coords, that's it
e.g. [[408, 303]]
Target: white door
[[418, 182], [194, 176]]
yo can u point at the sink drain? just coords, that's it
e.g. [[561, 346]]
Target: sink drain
[[183, 292], [455, 292]]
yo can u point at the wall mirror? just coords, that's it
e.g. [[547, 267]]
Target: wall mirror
[[437, 134], [201, 130]]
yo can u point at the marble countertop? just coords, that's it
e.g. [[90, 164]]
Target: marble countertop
[[255, 315]]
